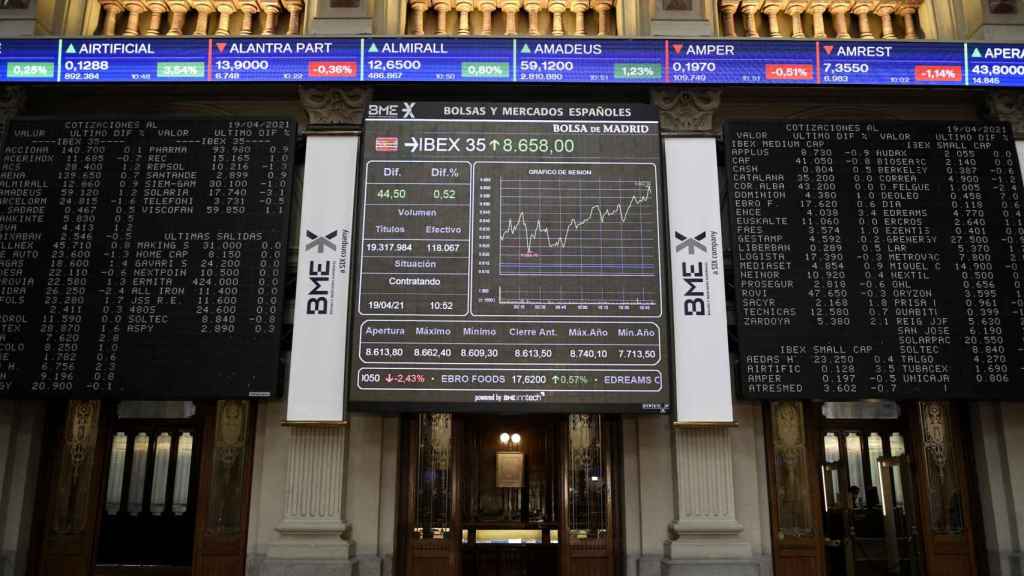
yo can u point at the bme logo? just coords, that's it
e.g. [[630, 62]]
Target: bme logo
[[320, 273], [321, 242], [695, 282], [391, 110], [692, 244]]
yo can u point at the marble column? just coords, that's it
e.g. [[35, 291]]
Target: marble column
[[313, 532]]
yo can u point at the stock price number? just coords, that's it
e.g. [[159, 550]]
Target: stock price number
[[994, 73], [690, 71], [546, 65], [86, 65], [841, 71], [521, 145], [84, 69], [240, 65], [379, 69], [847, 67]]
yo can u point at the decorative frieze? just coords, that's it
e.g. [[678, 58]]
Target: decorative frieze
[[686, 111], [335, 107], [1008, 106]]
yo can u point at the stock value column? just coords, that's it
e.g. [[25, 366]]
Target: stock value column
[[416, 239]]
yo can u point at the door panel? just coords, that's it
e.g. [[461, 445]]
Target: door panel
[[428, 526], [67, 547], [589, 531], [943, 493], [796, 529]]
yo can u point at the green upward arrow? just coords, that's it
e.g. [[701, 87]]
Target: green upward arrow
[[525, 50], [976, 53], [70, 50], [373, 47]]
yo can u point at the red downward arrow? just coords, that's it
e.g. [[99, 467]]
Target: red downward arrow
[[828, 49], [677, 48], [221, 46]]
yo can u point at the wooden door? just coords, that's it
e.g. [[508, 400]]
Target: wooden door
[[943, 491], [71, 472], [429, 528], [797, 539], [589, 532]]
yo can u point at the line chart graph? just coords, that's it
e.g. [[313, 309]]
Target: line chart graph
[[580, 235], [577, 226]]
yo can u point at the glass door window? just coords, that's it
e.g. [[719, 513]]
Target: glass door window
[[870, 526], [149, 498]]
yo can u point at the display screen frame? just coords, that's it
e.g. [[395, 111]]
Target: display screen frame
[[666, 366]]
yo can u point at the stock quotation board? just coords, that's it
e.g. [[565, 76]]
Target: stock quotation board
[[880, 260], [510, 254], [534, 60], [143, 258]]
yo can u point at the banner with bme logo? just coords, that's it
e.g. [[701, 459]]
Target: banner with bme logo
[[703, 387], [316, 384]]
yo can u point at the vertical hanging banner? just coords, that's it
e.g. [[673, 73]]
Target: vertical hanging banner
[[702, 383], [316, 383]]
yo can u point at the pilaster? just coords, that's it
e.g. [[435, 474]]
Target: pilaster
[[314, 537], [21, 431], [997, 427], [687, 112], [705, 536]]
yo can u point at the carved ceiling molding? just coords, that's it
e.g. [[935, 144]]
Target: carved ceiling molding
[[335, 107], [1008, 106], [687, 111]]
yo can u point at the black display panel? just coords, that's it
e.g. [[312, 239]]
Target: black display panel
[[143, 258], [881, 260], [510, 255]]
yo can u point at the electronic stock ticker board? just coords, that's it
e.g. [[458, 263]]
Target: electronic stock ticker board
[[143, 258], [877, 260], [563, 60], [510, 255]]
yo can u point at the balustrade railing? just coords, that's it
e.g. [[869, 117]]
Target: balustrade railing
[[889, 19], [233, 17], [539, 17]]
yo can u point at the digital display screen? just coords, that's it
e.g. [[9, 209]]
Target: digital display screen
[[134, 60], [877, 260], [510, 254], [560, 60], [438, 60], [143, 258]]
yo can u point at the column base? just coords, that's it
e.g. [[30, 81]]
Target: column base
[[319, 548], [306, 567], [710, 568], [712, 547]]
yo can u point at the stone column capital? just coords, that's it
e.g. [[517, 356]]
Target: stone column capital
[[1008, 106], [337, 108], [12, 101], [686, 112]]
